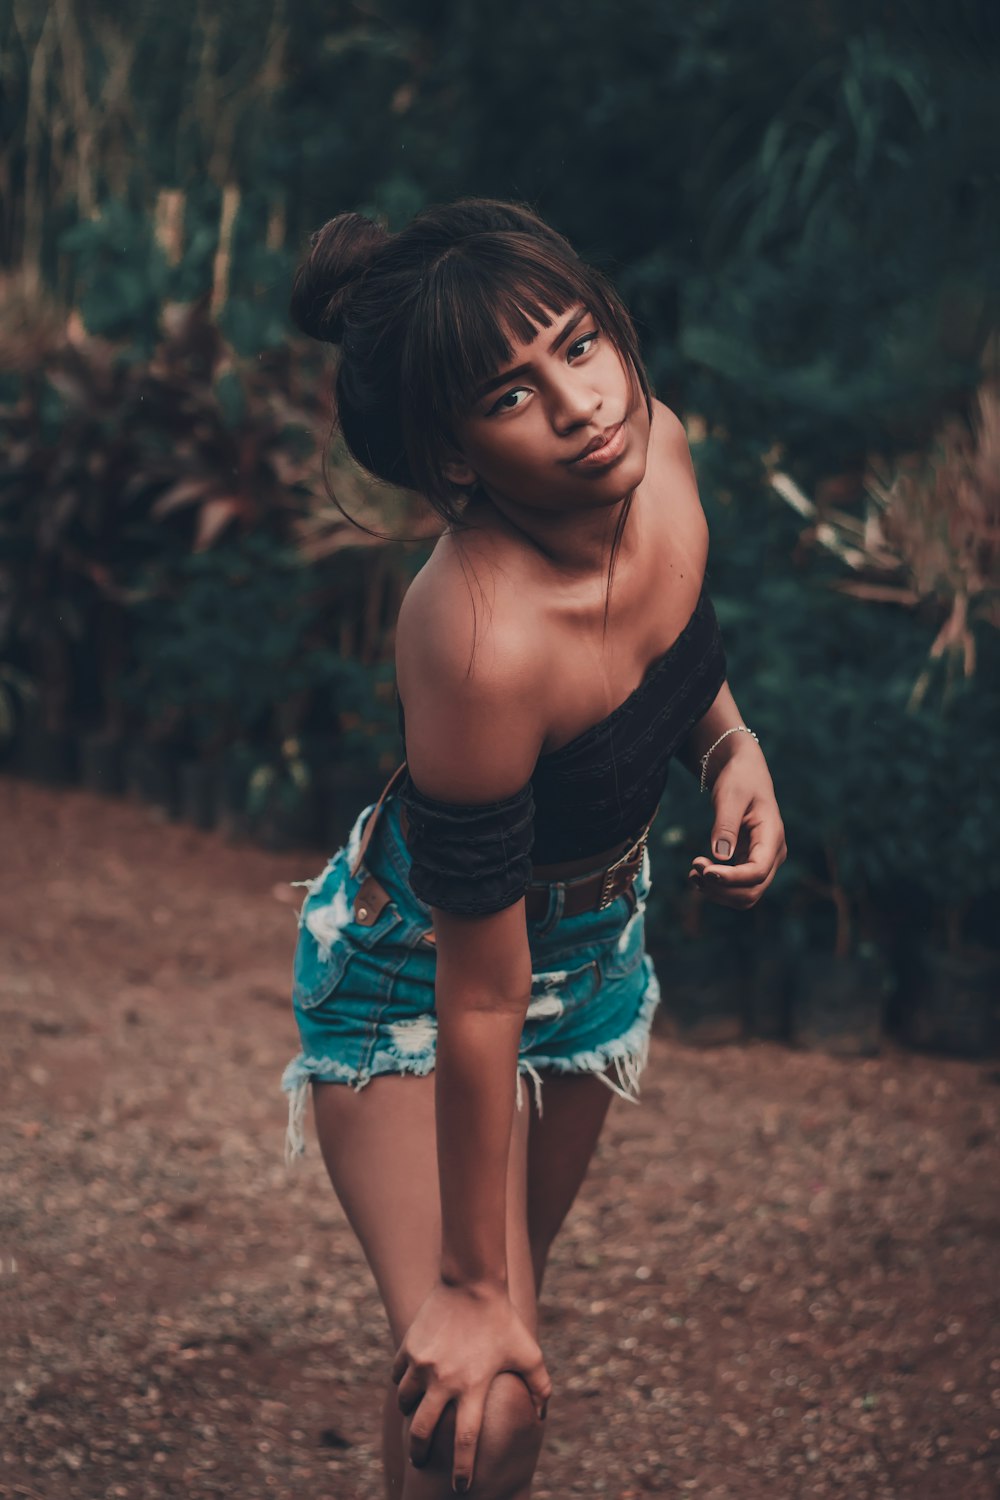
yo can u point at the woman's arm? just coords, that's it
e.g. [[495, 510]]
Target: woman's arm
[[748, 836], [467, 1330], [471, 737], [722, 715], [482, 992]]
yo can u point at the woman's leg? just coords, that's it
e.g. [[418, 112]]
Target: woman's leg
[[560, 1148], [379, 1146]]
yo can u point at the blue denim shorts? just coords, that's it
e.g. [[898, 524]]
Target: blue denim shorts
[[363, 996]]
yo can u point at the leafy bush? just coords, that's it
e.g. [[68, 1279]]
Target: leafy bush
[[930, 536], [885, 807], [115, 469], [226, 646]]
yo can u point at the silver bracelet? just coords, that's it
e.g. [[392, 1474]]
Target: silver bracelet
[[736, 729]]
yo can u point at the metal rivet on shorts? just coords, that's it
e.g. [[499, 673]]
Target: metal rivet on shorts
[[362, 913]]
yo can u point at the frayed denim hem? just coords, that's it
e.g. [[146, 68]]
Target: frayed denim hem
[[628, 1054], [302, 1071]]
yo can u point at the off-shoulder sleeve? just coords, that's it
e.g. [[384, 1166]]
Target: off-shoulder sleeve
[[469, 858]]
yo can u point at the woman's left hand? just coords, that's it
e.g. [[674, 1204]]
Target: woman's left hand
[[748, 822]]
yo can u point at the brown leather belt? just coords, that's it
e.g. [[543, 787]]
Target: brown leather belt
[[594, 891], [591, 892]]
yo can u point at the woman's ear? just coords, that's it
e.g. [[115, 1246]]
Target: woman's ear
[[459, 472]]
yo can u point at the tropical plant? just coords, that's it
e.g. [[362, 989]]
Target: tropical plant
[[887, 803], [66, 454], [106, 460], [172, 155], [830, 309], [930, 536]]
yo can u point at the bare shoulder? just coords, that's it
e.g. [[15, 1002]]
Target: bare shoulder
[[668, 427], [470, 678], [669, 436]]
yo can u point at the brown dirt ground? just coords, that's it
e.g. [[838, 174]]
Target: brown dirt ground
[[780, 1279]]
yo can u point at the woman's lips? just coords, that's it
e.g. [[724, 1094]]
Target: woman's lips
[[611, 449]]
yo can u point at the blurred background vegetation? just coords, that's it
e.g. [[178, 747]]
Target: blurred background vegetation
[[800, 204]]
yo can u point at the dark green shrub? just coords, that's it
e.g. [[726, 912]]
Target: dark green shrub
[[227, 647]]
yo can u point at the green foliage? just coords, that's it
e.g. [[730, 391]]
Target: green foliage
[[946, 809], [123, 279], [279, 783], [109, 460], [798, 202], [16, 688], [842, 299], [799, 205], [876, 798], [368, 717], [226, 644], [122, 276]]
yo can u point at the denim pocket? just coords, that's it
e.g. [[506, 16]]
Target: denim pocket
[[329, 936], [557, 993], [626, 952]]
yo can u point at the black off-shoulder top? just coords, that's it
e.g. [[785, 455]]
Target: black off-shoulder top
[[592, 793]]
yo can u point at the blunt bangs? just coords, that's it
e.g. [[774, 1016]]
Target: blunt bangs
[[478, 299]]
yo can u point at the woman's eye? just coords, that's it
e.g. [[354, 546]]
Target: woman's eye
[[510, 400], [581, 345]]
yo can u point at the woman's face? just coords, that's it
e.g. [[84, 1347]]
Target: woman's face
[[562, 427]]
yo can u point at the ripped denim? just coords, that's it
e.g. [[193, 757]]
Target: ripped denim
[[363, 996]]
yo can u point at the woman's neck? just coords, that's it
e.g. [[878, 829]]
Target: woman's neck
[[576, 544]]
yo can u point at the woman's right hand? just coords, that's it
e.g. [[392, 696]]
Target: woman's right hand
[[462, 1338]]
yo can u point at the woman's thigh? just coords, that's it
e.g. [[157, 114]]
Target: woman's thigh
[[379, 1144], [380, 1148], [560, 1148]]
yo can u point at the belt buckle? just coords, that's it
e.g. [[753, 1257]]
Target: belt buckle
[[607, 895]]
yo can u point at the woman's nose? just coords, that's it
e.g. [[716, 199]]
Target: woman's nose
[[576, 402]]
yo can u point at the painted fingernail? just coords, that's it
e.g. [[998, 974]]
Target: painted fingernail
[[461, 1486], [722, 848], [544, 1411]]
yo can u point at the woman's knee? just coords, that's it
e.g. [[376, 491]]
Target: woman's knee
[[510, 1441]]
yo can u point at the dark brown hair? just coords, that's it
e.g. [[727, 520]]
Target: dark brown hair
[[425, 316]]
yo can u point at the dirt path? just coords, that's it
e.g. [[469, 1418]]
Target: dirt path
[[780, 1280]]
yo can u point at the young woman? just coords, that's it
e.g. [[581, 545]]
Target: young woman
[[471, 964]]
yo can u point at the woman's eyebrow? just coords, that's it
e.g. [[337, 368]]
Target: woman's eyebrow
[[572, 322]]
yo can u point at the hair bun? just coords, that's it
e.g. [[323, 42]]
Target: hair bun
[[340, 254]]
